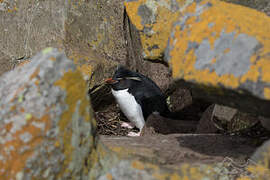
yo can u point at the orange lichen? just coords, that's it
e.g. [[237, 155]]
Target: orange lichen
[[109, 176], [34, 74], [23, 63], [57, 144], [260, 170], [228, 18], [15, 161], [75, 87], [213, 61], [164, 18], [82, 62], [267, 93], [137, 165], [13, 108], [132, 11], [37, 82], [160, 30], [52, 58], [20, 89], [227, 50]]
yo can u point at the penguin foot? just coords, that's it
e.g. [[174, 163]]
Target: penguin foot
[[133, 134], [127, 125]]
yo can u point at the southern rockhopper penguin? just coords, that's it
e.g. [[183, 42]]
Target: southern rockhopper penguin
[[137, 96]]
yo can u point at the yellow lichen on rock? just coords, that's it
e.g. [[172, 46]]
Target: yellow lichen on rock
[[75, 87], [210, 24], [15, 159], [154, 33], [132, 10]]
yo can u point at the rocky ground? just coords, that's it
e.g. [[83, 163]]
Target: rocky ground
[[172, 143]]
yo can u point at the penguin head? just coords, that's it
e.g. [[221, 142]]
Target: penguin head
[[123, 79]]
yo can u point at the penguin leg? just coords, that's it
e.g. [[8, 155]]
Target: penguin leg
[[133, 134], [127, 125]]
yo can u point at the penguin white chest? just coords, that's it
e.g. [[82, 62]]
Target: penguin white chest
[[129, 107]]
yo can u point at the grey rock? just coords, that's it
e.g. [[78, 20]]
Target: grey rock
[[44, 131], [74, 27]]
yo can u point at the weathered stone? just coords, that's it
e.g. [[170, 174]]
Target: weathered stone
[[224, 113], [47, 128], [154, 20], [261, 159], [29, 26], [97, 25], [262, 151], [223, 57], [206, 124], [179, 98], [261, 5], [224, 118], [159, 73], [157, 124], [265, 122], [77, 27], [174, 150]]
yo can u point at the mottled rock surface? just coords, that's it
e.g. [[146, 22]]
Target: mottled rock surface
[[154, 20], [47, 129], [80, 28], [218, 118], [176, 149], [260, 5], [28, 27], [223, 57]]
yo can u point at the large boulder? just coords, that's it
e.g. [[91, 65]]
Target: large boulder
[[47, 129], [154, 21], [89, 32], [223, 57], [180, 156]]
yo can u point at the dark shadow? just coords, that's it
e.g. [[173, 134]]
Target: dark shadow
[[239, 98], [219, 145]]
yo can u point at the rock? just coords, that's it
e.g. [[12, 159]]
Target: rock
[[174, 150], [260, 161], [179, 98], [206, 124], [154, 20], [261, 152], [265, 122], [260, 5], [218, 117], [97, 26], [46, 125], [28, 27], [205, 53], [156, 124], [224, 113]]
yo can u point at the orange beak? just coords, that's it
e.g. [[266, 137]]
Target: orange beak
[[110, 81]]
